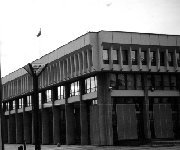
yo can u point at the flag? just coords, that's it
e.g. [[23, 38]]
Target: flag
[[39, 33]]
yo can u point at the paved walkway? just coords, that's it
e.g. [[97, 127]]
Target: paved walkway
[[88, 147]]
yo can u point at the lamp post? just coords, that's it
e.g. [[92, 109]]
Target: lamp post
[[35, 71]]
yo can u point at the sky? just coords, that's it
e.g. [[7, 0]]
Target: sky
[[62, 21]]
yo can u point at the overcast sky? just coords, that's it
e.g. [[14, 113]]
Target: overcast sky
[[62, 21]]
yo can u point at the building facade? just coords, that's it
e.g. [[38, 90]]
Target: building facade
[[103, 88]]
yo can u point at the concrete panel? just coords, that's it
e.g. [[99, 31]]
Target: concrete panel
[[154, 39], [171, 40], [136, 38], [105, 37], [178, 40], [163, 40], [27, 127], [19, 128], [122, 37], [145, 39]]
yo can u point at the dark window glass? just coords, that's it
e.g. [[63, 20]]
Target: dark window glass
[[125, 57], [138, 80], [121, 82], [173, 82], [130, 82], [106, 56], [144, 57], [134, 57], [162, 62], [115, 56], [178, 58], [158, 82], [170, 58], [153, 58]]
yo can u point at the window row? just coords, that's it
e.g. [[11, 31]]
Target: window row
[[135, 81], [90, 85], [143, 54]]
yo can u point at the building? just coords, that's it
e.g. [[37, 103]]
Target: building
[[103, 88]]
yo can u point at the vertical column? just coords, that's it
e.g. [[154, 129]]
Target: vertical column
[[69, 114], [11, 129], [5, 129], [19, 128], [33, 136], [56, 117], [166, 60], [45, 126], [27, 127], [139, 59], [105, 109], [158, 59], [111, 56], [149, 59], [146, 110], [83, 116], [120, 57]]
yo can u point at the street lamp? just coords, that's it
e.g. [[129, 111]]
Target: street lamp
[[35, 71]]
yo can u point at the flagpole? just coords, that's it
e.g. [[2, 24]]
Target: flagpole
[[1, 110]]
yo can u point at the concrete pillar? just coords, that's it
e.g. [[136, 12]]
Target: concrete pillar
[[84, 123], [83, 116], [56, 125], [5, 130], [105, 109], [45, 126], [33, 138], [19, 128], [11, 129], [27, 127], [147, 132], [70, 124]]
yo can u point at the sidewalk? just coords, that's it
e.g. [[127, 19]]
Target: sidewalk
[[89, 147]]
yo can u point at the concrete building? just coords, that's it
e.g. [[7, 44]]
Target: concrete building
[[103, 88]]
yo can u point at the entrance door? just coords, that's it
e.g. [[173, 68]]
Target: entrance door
[[163, 124], [126, 121]]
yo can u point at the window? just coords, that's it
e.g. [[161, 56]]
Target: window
[[158, 82], [6, 106], [14, 105], [115, 56], [90, 84], [94, 102], [29, 101], [153, 58], [61, 92], [178, 58], [125, 57], [130, 82], [106, 56], [173, 82], [170, 58], [122, 78], [144, 57], [20, 103], [40, 98], [162, 62], [48, 96], [138, 81], [74, 89], [134, 57]]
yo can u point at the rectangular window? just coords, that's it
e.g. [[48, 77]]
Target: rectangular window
[[125, 57], [61, 92], [173, 82], [106, 56], [74, 89], [90, 84], [144, 57], [20, 103], [121, 82], [14, 105], [115, 56], [138, 80], [178, 58], [7, 106], [153, 58], [48, 96], [170, 58], [158, 82], [130, 82], [29, 101], [134, 57], [162, 62], [40, 98]]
